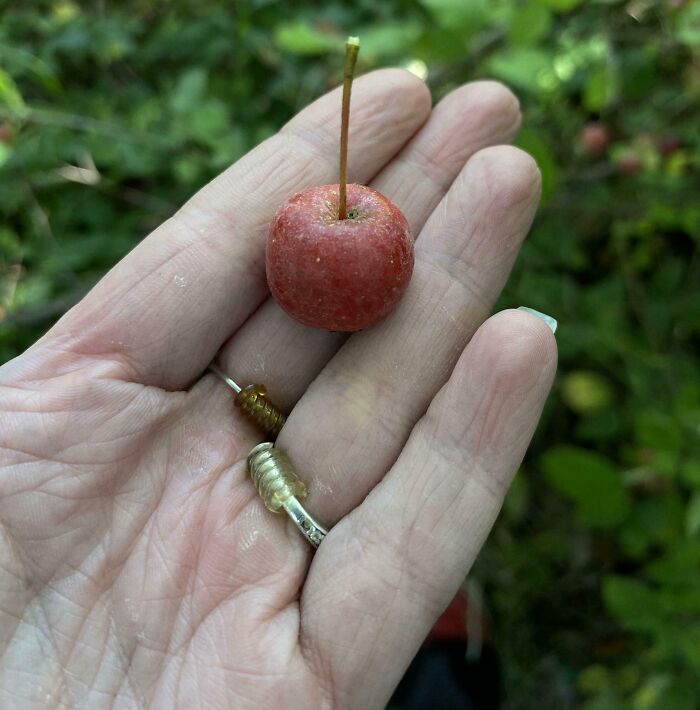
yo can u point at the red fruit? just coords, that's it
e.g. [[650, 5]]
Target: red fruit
[[342, 275], [595, 139], [629, 163], [669, 144], [6, 132]]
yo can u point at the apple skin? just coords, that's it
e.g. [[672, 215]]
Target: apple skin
[[340, 275]]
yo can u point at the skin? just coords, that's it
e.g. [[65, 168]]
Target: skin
[[139, 568], [342, 275]]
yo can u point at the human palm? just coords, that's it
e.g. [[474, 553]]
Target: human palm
[[139, 567]]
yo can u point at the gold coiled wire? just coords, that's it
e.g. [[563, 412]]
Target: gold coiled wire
[[274, 477], [253, 401]]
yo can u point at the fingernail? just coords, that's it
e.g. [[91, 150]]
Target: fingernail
[[551, 322], [418, 68]]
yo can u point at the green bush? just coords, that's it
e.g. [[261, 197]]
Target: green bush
[[112, 114]]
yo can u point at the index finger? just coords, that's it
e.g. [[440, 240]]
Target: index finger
[[164, 310]]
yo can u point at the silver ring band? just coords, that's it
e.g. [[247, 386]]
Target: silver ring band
[[311, 529]]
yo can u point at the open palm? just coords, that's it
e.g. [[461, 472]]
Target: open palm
[[139, 567]]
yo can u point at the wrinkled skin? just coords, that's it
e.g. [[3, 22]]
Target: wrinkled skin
[[139, 568], [341, 275]]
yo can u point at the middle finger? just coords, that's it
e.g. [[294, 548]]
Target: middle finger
[[351, 424]]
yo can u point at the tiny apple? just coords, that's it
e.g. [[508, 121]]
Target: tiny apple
[[669, 144], [628, 162], [6, 132], [339, 256], [595, 139], [342, 275]]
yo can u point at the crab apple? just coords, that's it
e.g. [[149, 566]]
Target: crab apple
[[6, 132], [669, 144], [340, 256], [628, 162], [595, 139], [339, 274]]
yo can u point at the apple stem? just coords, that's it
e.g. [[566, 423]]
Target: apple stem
[[352, 47]]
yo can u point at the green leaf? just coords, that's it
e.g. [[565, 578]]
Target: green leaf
[[516, 503], [599, 90], [561, 5], [209, 122], [688, 25], [24, 62], [529, 23], [588, 480], [680, 566], [64, 11], [10, 243], [653, 521], [653, 691], [521, 67], [466, 15], [632, 603], [444, 46], [389, 40], [5, 153], [690, 473], [301, 38], [659, 431], [537, 145], [10, 95], [601, 425], [190, 90], [595, 679]]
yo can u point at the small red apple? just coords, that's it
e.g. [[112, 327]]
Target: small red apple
[[628, 162], [339, 274], [6, 132], [595, 139], [669, 144]]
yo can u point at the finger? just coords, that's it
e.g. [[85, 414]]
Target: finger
[[381, 381], [164, 311], [395, 562], [286, 356], [473, 117]]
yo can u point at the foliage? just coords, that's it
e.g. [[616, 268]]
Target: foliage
[[112, 114]]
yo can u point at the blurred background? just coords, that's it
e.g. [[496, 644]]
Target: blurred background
[[112, 114]]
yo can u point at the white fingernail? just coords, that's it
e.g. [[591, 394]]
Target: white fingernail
[[551, 322]]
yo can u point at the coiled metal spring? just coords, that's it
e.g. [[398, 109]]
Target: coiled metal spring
[[255, 404], [274, 476], [253, 401]]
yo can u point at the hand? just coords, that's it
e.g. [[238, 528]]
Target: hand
[[139, 566]]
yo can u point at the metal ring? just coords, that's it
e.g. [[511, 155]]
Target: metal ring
[[310, 528]]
